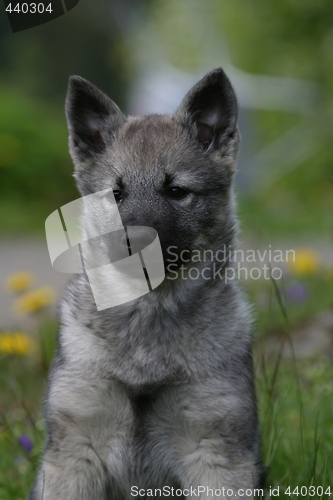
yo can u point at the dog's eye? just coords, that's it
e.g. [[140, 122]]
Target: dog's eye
[[117, 195], [177, 192]]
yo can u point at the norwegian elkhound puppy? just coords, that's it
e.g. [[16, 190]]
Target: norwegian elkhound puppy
[[155, 397]]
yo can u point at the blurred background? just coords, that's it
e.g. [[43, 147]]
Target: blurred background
[[146, 54]]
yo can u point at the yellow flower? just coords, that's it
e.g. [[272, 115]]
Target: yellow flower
[[19, 281], [306, 261], [35, 300], [15, 343]]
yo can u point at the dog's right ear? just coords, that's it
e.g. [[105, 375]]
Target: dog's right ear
[[93, 118]]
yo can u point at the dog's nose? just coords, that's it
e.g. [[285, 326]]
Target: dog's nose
[[136, 238]]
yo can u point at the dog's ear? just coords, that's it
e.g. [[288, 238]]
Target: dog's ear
[[92, 117], [210, 111]]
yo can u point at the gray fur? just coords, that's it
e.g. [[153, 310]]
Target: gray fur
[[158, 391]]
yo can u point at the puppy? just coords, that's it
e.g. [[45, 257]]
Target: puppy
[[155, 397]]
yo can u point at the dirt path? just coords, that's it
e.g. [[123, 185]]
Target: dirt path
[[32, 255]]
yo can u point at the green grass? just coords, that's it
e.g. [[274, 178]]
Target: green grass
[[24, 219], [295, 404], [22, 384], [296, 410], [318, 288], [280, 213]]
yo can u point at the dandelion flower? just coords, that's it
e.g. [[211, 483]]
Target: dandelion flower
[[306, 261], [15, 343], [19, 282], [35, 300]]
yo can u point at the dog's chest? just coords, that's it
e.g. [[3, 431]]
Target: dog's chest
[[128, 452]]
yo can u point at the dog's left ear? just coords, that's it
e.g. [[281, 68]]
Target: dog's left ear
[[210, 111]]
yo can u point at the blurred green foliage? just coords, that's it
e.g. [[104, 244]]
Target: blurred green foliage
[[35, 168], [35, 141], [86, 41], [294, 39], [109, 43]]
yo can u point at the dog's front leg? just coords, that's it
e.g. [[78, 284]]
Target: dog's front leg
[[207, 473], [214, 443], [67, 478], [88, 447]]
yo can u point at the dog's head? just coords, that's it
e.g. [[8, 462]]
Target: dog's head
[[172, 173]]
